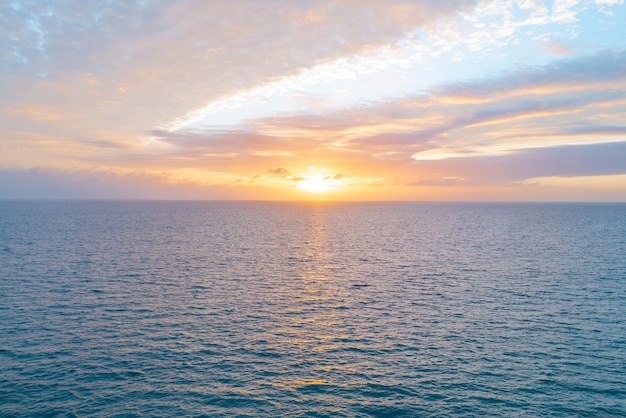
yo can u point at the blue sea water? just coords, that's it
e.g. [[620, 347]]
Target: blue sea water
[[224, 309]]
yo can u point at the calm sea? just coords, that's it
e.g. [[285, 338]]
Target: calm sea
[[225, 309]]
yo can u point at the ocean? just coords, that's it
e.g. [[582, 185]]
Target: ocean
[[259, 309]]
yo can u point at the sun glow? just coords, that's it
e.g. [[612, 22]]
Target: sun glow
[[319, 180], [314, 184]]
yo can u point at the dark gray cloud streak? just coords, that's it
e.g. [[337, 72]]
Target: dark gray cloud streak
[[565, 161], [45, 183]]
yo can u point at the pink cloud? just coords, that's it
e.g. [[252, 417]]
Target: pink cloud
[[557, 48]]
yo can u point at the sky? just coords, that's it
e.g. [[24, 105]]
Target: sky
[[445, 100]]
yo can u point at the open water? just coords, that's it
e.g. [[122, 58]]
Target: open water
[[226, 309]]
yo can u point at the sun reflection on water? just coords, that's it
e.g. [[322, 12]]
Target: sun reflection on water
[[312, 332]]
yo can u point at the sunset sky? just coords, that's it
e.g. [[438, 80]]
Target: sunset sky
[[333, 100]]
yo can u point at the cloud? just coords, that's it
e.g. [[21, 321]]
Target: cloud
[[46, 183], [514, 115], [564, 161], [279, 171], [132, 62], [557, 48], [579, 72]]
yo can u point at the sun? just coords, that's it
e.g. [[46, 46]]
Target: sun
[[319, 180], [315, 184]]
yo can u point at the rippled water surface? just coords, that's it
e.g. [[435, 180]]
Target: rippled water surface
[[312, 309]]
